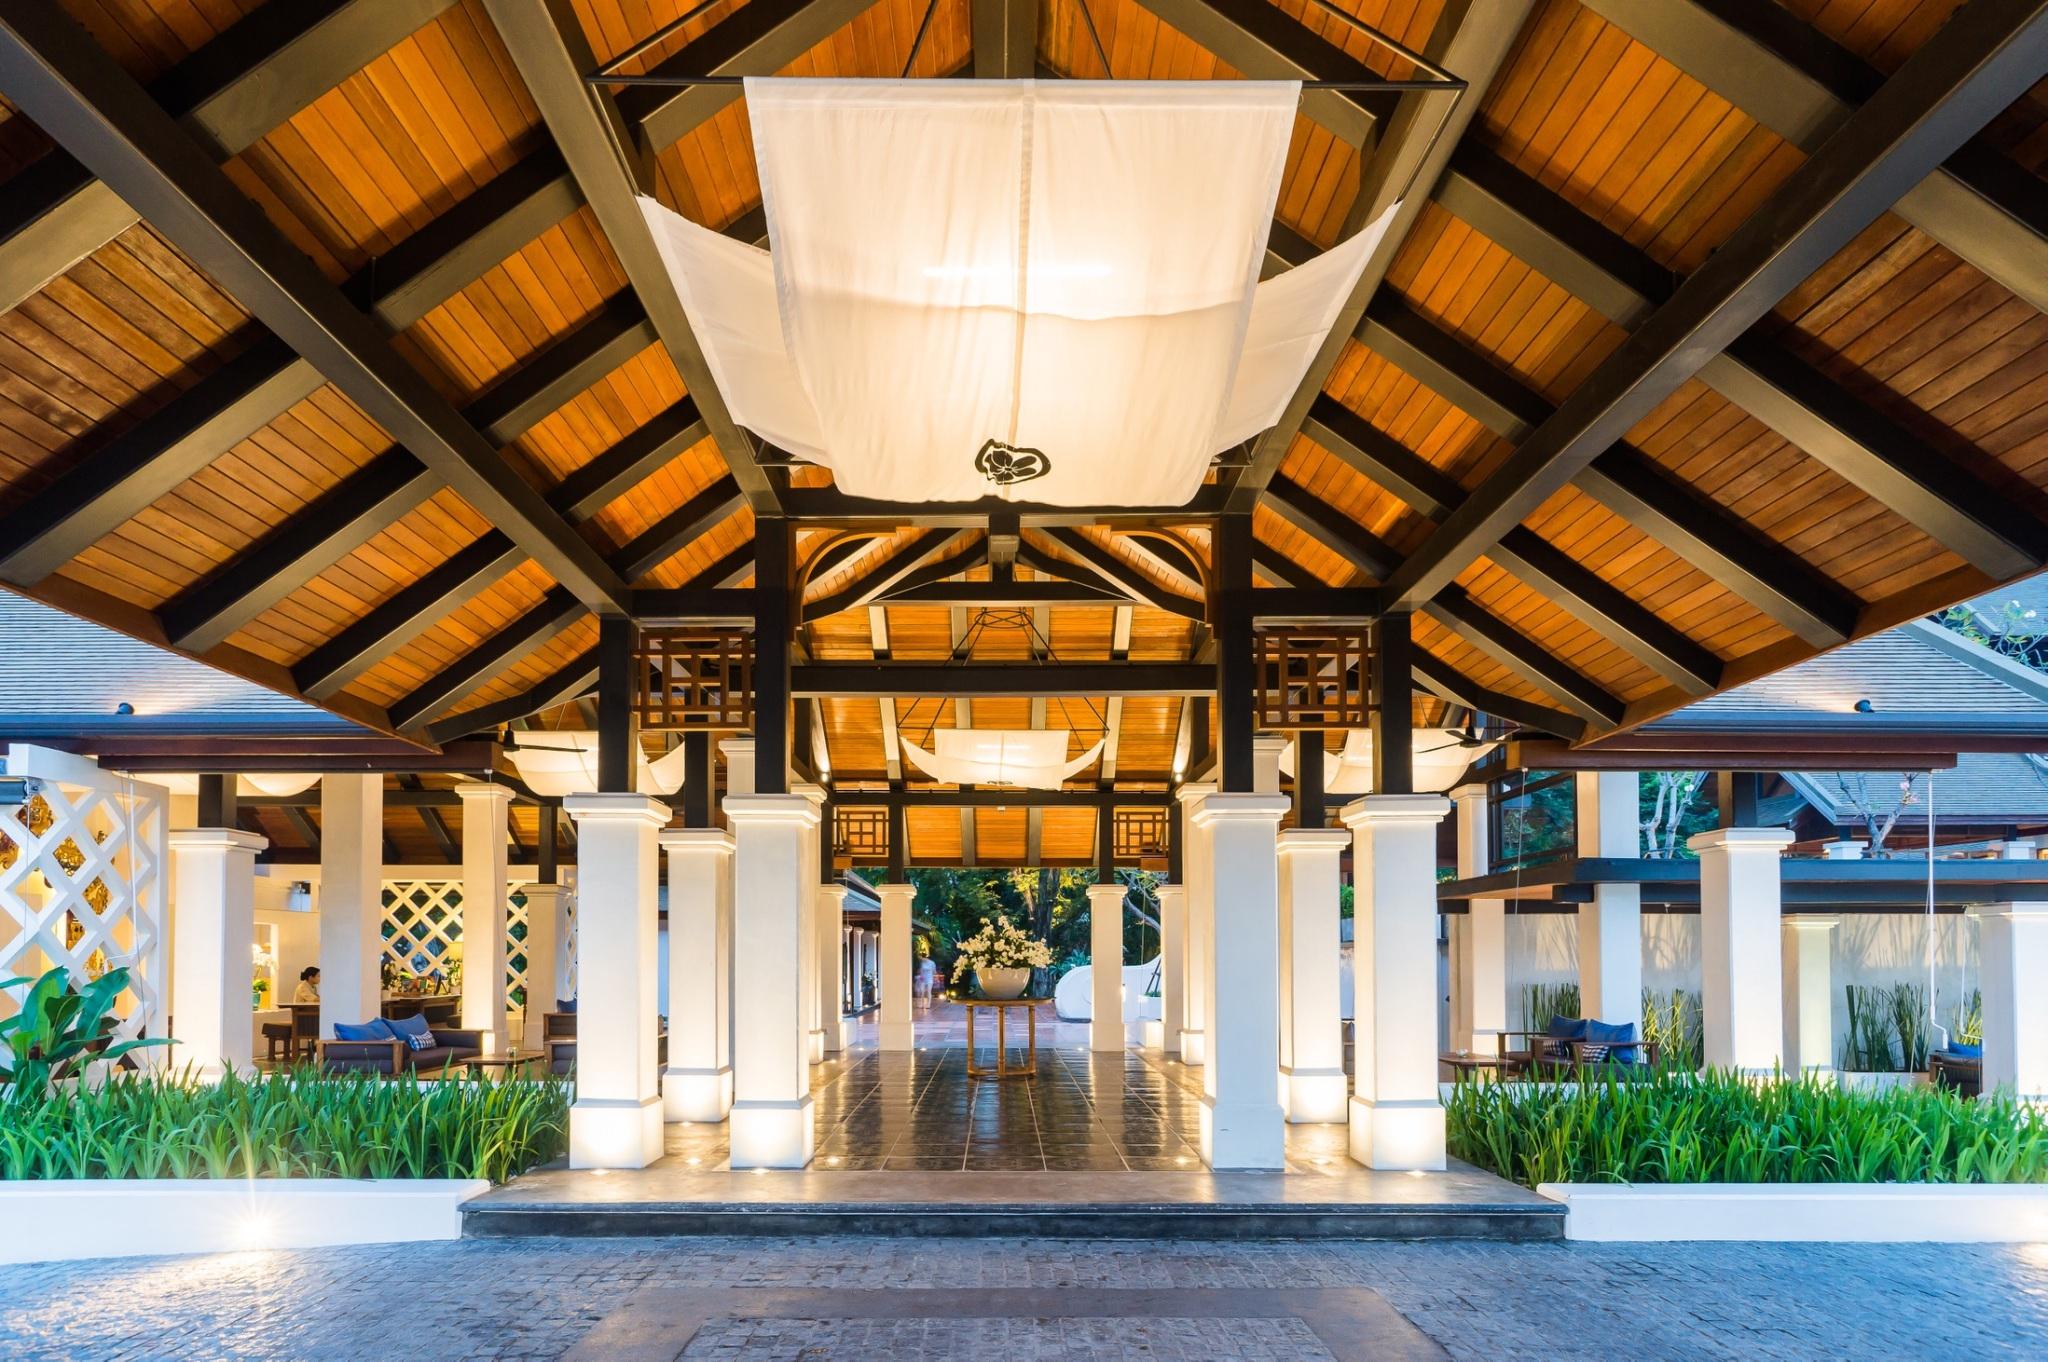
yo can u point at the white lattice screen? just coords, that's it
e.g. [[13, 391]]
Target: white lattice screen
[[82, 882], [423, 918]]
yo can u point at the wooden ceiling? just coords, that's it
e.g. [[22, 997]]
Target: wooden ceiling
[[379, 403]]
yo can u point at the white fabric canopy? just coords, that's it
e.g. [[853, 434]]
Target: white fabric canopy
[[1439, 755], [1033, 758], [561, 762], [1044, 290]]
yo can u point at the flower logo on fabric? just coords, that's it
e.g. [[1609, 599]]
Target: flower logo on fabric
[[1005, 464]]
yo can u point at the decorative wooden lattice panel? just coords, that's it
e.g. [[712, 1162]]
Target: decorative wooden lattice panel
[[860, 835], [82, 885], [694, 678], [1313, 679], [422, 931], [1138, 833]]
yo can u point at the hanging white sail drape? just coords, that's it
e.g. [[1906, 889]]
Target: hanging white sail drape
[[1440, 757], [1042, 290], [561, 762], [1035, 759]]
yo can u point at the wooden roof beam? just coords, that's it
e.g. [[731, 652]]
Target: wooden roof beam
[[319, 536], [331, 666], [1005, 41], [1267, 43], [574, 678], [228, 94], [1961, 78], [758, 39], [62, 79], [1768, 575], [548, 46], [1121, 576], [1802, 86], [1472, 40], [1978, 522], [1454, 609], [1013, 679], [122, 476], [920, 555]]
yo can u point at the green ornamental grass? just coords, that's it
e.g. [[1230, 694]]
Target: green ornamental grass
[[1677, 1126], [299, 1124]]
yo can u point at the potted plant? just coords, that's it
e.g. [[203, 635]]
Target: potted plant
[[1002, 958]]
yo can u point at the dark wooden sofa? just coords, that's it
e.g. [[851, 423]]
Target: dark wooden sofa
[[395, 1057]]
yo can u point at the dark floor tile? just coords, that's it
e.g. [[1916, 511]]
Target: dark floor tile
[[898, 1163]]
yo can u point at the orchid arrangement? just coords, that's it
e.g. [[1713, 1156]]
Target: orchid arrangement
[[998, 945]]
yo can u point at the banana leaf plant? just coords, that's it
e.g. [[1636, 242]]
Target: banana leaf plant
[[59, 1030]]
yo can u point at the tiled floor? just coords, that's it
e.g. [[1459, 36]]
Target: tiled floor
[[918, 1111]]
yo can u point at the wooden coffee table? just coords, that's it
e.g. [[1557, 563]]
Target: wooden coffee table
[[1467, 1066], [1002, 1068]]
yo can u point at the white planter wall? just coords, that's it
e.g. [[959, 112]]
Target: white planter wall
[[109, 1218], [1869, 948], [1804, 1213]]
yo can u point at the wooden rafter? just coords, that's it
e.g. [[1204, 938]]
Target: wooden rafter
[[67, 83], [1793, 80], [1979, 63], [548, 46]]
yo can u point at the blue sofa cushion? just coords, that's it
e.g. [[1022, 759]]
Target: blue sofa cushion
[[565, 1005], [378, 1029], [1566, 1028], [1964, 1050], [1599, 1033], [413, 1030]]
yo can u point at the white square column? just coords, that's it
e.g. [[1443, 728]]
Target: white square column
[[485, 829], [1611, 926], [1809, 944], [2013, 940], [872, 965], [1479, 935], [1741, 962], [1106, 968], [772, 1123], [543, 948], [1312, 1082], [832, 965], [813, 964], [1200, 930], [697, 1084], [1397, 1117], [213, 936], [616, 1119], [1242, 1124], [897, 1031], [1173, 965], [351, 898]]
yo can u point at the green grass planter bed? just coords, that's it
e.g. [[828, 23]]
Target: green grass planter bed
[[1719, 1156], [150, 1163], [286, 1125]]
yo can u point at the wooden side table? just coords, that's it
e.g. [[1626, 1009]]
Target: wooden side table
[[1002, 1068]]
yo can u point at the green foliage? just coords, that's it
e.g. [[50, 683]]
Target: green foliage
[[1541, 1002], [1966, 1021], [286, 1125], [1890, 1031], [1674, 1021], [1722, 1127], [59, 1030]]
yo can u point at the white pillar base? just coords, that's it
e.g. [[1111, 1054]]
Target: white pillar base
[[1398, 1136], [1194, 1048], [1154, 1036], [1314, 1096], [696, 1094], [614, 1132], [773, 1134], [1243, 1135]]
